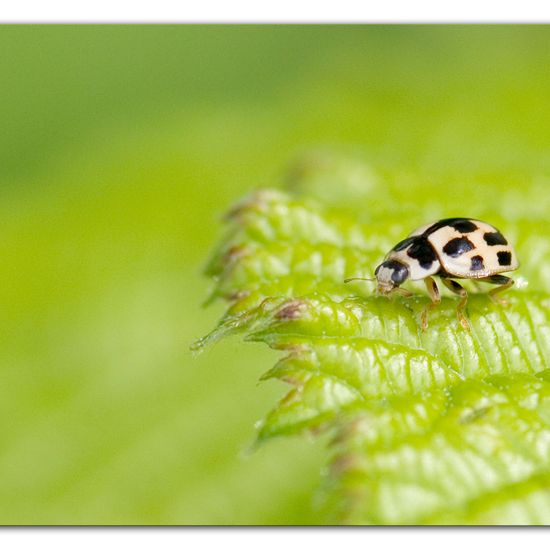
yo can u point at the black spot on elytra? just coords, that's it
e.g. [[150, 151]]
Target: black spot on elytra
[[462, 225], [401, 245], [456, 247], [422, 251], [495, 238], [477, 263], [504, 258]]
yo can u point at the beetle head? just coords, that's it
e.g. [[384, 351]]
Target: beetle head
[[390, 274]]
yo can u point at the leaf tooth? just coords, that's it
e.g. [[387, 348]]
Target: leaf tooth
[[310, 317], [229, 325], [309, 407]]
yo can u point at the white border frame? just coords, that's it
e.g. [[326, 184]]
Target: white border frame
[[281, 11]]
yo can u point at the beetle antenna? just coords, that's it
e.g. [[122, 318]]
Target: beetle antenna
[[358, 279]]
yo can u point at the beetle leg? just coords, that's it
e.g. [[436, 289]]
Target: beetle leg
[[433, 291], [504, 282], [453, 286], [402, 291]]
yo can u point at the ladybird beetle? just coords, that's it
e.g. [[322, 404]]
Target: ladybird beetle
[[453, 248]]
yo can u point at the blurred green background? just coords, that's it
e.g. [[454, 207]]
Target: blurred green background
[[120, 148]]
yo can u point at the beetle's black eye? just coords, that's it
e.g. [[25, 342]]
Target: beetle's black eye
[[400, 273], [392, 272]]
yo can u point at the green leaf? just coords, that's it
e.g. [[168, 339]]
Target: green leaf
[[443, 426]]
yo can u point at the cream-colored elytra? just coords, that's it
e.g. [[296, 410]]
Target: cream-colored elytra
[[490, 257]]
